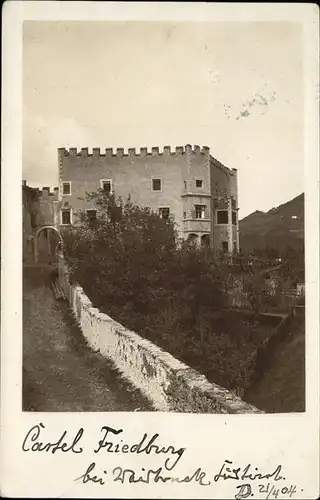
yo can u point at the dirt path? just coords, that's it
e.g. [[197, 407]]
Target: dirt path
[[61, 373]]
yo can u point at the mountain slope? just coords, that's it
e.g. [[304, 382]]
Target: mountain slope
[[281, 388], [278, 228]]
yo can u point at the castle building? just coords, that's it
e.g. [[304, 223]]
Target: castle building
[[39, 215], [187, 184]]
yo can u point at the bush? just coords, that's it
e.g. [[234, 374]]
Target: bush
[[132, 265], [131, 258]]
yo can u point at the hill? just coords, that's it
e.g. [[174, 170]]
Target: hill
[[279, 228]]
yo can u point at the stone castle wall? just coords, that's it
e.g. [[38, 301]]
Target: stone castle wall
[[38, 210], [167, 382], [131, 174], [224, 187]]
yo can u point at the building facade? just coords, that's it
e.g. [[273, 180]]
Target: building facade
[[187, 184], [40, 212]]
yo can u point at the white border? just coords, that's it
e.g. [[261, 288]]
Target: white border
[[292, 440]]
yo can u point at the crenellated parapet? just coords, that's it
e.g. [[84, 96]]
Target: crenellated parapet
[[44, 192], [216, 163], [132, 152], [47, 192]]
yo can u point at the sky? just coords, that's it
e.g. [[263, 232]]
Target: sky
[[236, 87]]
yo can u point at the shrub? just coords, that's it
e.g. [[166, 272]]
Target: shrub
[[132, 265]]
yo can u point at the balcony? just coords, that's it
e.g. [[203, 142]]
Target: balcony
[[197, 225]]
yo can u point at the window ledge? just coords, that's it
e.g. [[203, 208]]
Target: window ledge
[[190, 193], [196, 219]]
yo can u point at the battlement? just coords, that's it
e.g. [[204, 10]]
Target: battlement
[[44, 192], [223, 168], [133, 152]]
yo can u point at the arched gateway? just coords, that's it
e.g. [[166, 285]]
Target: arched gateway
[[51, 244]]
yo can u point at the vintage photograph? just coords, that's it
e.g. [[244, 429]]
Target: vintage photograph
[[163, 217]]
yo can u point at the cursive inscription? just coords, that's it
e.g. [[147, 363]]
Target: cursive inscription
[[145, 476], [33, 441], [249, 472], [87, 477], [156, 476], [146, 445], [248, 480], [269, 491]]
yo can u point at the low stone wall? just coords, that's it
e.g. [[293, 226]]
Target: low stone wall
[[168, 383]]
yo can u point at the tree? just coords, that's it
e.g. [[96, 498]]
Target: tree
[[131, 259], [132, 265]]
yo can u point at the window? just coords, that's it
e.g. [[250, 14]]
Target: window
[[91, 215], [185, 184], [106, 185], [234, 218], [222, 217], [199, 183], [233, 203], [66, 216], [66, 188], [184, 214], [225, 247], [156, 184], [164, 212], [200, 211]]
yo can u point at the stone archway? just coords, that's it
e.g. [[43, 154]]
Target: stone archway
[[48, 229], [205, 240], [193, 239]]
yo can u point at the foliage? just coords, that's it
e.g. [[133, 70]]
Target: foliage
[[132, 265], [131, 258]]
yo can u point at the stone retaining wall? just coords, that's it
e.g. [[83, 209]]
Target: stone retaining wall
[[168, 383]]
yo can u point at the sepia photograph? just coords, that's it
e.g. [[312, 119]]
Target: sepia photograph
[[160, 250], [163, 217]]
